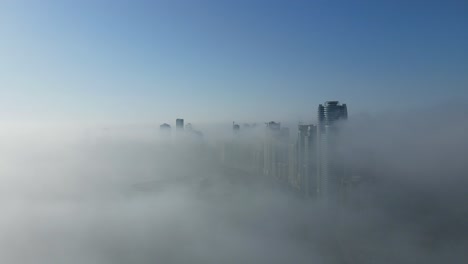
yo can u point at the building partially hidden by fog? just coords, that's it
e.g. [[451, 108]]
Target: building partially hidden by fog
[[165, 126], [165, 130], [330, 165], [273, 126], [306, 162], [275, 152], [179, 124], [331, 112], [312, 165]]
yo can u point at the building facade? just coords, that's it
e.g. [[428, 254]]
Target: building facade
[[331, 171], [307, 152]]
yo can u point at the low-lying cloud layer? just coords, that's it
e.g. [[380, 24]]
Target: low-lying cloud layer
[[102, 198]]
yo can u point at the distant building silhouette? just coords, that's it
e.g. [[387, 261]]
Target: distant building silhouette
[[179, 124], [165, 126]]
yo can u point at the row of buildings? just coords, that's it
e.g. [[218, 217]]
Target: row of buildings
[[315, 164], [179, 125], [165, 129], [312, 165]]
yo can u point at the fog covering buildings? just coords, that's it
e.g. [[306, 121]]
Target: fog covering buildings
[[331, 172], [304, 175], [120, 196], [165, 130], [311, 165]]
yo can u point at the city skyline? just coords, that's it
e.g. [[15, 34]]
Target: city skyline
[[233, 131], [311, 164]]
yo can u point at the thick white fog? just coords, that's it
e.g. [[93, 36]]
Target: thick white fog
[[121, 194]]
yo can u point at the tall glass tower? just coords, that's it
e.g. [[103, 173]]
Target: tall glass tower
[[330, 166]]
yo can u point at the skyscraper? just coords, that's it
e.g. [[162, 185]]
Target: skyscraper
[[275, 152], [179, 124], [330, 164], [307, 160]]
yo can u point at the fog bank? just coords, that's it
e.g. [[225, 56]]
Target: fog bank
[[100, 195]]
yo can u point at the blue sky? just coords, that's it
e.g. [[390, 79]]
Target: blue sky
[[227, 60]]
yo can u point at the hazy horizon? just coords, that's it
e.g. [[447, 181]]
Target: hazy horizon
[[88, 176]]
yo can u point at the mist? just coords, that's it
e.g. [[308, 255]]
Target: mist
[[125, 194]]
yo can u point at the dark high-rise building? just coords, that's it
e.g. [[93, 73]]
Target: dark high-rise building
[[330, 164], [331, 112], [179, 124]]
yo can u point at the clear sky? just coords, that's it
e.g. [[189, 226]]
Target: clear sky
[[227, 60]]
